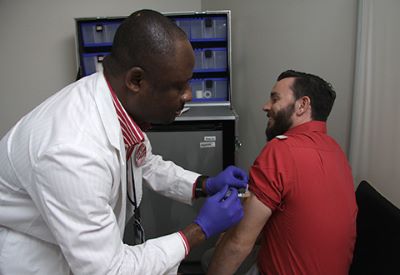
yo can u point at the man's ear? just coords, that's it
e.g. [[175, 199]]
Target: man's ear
[[304, 105], [133, 78]]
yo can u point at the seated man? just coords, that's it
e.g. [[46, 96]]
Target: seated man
[[302, 201]]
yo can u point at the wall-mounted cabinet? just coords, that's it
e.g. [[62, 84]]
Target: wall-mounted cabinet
[[208, 32]]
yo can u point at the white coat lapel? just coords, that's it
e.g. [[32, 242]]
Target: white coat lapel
[[112, 128]]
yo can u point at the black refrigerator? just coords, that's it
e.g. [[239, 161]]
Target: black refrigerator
[[196, 142]]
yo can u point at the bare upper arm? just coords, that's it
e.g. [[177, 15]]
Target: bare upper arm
[[237, 243], [256, 215]]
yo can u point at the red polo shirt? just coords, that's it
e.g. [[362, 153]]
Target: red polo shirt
[[305, 179]]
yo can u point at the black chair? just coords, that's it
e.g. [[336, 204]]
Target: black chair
[[377, 248]]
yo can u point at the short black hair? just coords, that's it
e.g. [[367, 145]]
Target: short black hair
[[143, 39], [319, 91]]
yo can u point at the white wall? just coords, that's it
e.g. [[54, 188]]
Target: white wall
[[37, 48], [37, 52], [375, 147], [269, 36]]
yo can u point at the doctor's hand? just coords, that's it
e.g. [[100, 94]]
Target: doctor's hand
[[219, 212], [231, 176]]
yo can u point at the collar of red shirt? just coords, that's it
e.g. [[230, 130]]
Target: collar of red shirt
[[131, 132], [311, 126]]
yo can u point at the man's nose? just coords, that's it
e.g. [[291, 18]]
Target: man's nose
[[267, 106], [187, 95]]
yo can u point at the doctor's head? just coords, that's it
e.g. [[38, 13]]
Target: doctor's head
[[297, 98], [150, 66]]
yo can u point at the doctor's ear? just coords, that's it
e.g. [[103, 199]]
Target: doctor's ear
[[133, 78]]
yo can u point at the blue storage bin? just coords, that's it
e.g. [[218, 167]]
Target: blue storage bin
[[92, 62], [210, 28], [210, 60], [98, 34], [196, 31], [184, 24], [220, 89], [198, 59], [214, 59], [197, 88], [216, 88], [209, 90], [218, 30]]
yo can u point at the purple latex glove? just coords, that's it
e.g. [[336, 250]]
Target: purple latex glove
[[220, 212], [231, 176]]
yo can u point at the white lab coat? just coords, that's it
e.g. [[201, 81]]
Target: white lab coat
[[63, 191]]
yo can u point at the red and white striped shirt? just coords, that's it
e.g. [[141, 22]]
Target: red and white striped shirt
[[131, 132], [133, 136]]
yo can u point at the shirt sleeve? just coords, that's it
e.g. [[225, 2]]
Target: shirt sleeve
[[271, 174], [72, 187], [167, 178]]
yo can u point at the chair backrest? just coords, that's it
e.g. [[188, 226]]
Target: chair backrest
[[377, 248]]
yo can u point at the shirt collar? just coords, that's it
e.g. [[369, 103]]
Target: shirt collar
[[131, 132], [311, 126]]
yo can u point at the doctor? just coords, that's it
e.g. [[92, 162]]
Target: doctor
[[67, 168]]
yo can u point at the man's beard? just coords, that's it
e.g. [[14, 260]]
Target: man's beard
[[282, 122]]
